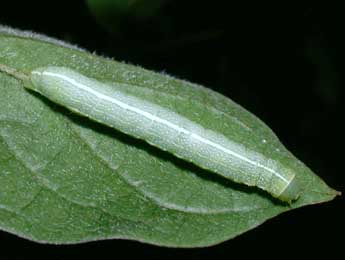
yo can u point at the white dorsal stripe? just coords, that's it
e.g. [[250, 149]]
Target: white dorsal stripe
[[159, 120]]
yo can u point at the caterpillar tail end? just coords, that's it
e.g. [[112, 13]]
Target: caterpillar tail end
[[291, 192], [36, 80]]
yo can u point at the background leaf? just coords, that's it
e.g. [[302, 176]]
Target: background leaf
[[66, 180], [112, 13]]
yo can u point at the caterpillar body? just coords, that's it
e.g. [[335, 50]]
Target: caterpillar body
[[164, 129]]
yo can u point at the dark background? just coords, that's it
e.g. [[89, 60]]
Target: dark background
[[283, 62]]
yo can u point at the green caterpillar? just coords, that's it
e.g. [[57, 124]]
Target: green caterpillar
[[165, 129]]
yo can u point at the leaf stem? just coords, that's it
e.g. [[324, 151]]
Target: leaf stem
[[14, 73]]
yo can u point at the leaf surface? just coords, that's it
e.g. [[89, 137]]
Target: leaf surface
[[65, 179]]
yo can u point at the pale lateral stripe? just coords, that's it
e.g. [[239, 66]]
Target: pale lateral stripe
[[160, 120]]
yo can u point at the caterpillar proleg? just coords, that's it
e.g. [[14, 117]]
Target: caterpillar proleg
[[164, 129]]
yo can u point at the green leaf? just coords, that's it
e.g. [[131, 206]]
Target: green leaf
[[65, 179]]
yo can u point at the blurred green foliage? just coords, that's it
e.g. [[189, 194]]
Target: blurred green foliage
[[111, 13]]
